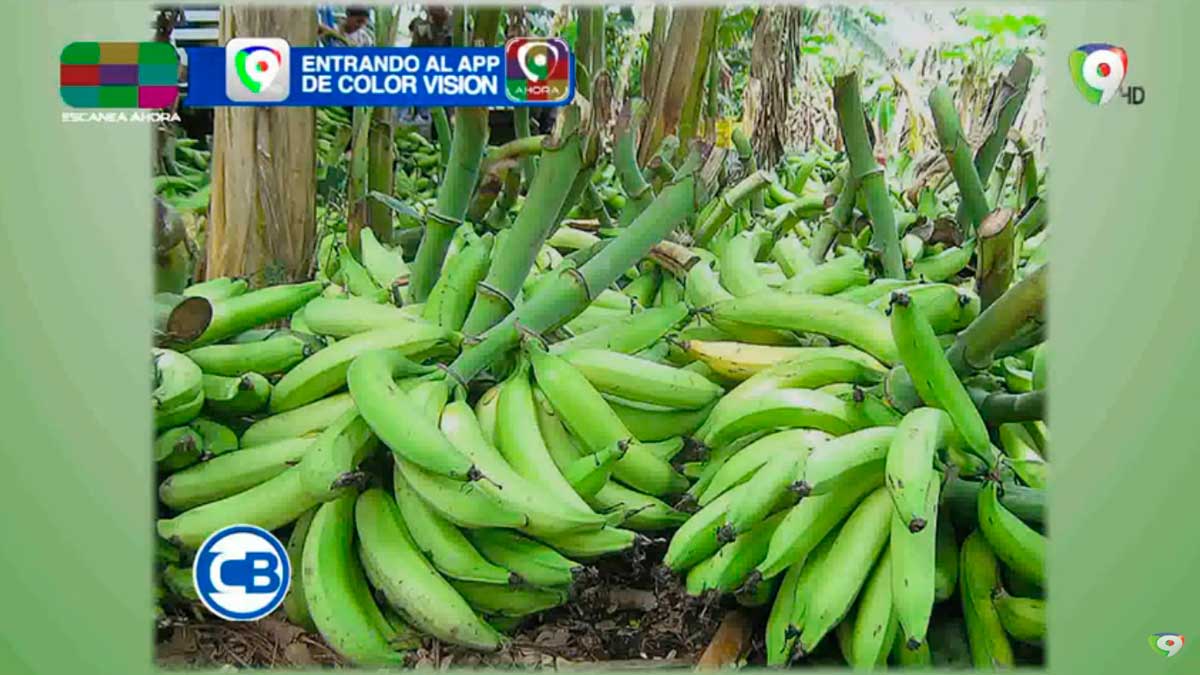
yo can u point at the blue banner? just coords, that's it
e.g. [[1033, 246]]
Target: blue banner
[[536, 72]]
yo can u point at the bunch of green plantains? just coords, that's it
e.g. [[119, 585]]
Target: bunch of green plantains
[[418, 162], [827, 393], [184, 181]]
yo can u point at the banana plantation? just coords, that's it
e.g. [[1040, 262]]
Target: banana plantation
[[736, 359]]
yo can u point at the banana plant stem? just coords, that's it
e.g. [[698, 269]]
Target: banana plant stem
[[560, 167], [573, 289], [973, 200], [837, 220], [866, 170]]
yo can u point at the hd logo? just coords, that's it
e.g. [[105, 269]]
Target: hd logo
[[1099, 70], [537, 70]]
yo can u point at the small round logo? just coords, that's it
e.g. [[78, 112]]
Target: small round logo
[[257, 70], [538, 59], [241, 573], [537, 70], [1167, 644], [1098, 70], [257, 66]]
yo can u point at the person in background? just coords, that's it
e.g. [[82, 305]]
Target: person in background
[[350, 31], [430, 28], [164, 29]]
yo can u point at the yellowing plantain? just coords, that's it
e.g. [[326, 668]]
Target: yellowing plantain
[[835, 318], [776, 409], [636, 379], [739, 360]]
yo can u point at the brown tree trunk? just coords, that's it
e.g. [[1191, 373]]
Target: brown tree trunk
[[262, 219], [671, 78], [773, 66]]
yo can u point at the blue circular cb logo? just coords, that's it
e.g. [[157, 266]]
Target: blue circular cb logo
[[241, 573]]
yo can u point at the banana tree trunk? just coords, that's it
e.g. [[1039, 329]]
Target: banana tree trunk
[[672, 79], [381, 141], [262, 224], [690, 116]]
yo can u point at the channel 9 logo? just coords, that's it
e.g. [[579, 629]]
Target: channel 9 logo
[[1167, 644], [1099, 70], [256, 69], [537, 69]]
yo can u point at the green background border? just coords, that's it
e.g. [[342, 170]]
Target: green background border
[[75, 505]]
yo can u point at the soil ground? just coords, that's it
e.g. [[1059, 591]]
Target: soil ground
[[625, 614]]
